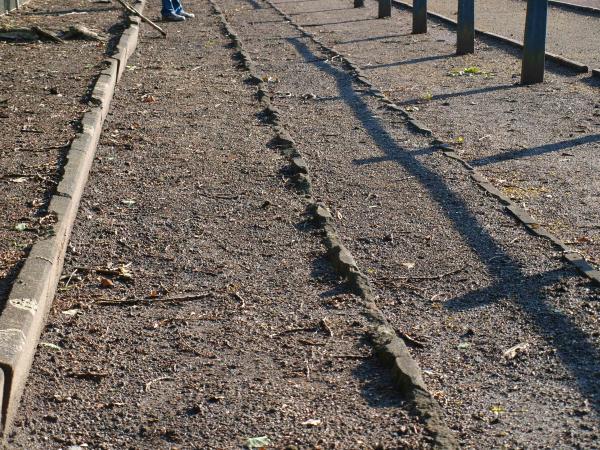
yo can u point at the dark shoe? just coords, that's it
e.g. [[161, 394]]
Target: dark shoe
[[187, 15], [173, 17]]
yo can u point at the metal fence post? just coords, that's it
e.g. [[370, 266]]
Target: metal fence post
[[465, 38], [419, 16], [534, 46], [359, 3], [385, 8]]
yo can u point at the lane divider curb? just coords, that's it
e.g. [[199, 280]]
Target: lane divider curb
[[24, 315]]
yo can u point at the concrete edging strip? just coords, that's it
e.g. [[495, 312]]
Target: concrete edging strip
[[391, 350], [23, 317], [574, 7]]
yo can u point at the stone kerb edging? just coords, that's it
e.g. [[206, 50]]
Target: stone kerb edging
[[532, 226], [391, 350], [557, 59], [23, 317], [574, 7]]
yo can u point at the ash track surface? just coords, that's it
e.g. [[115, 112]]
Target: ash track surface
[[43, 85], [398, 203], [211, 214], [538, 144], [571, 34]]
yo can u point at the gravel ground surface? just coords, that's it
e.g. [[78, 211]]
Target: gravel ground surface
[[507, 332], [245, 331], [538, 144], [571, 34], [42, 97]]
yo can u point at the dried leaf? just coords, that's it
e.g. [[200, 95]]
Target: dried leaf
[[52, 346], [147, 98], [515, 350], [312, 422], [497, 409], [106, 283], [258, 442], [21, 227], [408, 265]]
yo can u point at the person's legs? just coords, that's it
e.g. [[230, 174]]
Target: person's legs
[[177, 8], [171, 9], [167, 8]]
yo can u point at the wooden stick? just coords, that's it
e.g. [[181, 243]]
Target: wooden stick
[[134, 301], [135, 12], [46, 34]]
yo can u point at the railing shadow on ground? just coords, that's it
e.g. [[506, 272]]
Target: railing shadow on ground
[[536, 151], [296, 1], [338, 23], [321, 11], [409, 61], [574, 348], [501, 87], [374, 38], [254, 4]]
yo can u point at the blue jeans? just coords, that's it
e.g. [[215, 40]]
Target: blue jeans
[[171, 7]]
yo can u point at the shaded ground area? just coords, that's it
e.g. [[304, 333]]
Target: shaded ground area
[[245, 332], [42, 97], [572, 34], [538, 144], [453, 270]]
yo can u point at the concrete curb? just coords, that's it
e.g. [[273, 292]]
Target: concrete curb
[[557, 59], [574, 258], [573, 7], [387, 345], [23, 317]]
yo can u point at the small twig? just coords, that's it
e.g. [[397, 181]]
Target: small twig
[[309, 342], [46, 34], [191, 349], [134, 301], [434, 277], [149, 383], [326, 326], [410, 340], [70, 278], [135, 12], [292, 330], [219, 196], [238, 296], [352, 356]]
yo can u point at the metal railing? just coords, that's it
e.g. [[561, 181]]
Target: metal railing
[[534, 45]]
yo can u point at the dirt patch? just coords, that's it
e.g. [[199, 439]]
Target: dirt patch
[[42, 97], [233, 325], [454, 271]]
